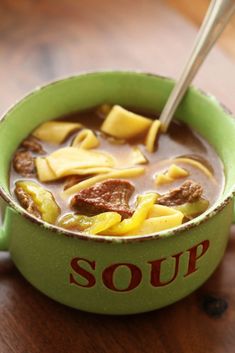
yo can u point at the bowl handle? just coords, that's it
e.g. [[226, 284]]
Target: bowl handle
[[3, 233], [3, 240], [234, 210]]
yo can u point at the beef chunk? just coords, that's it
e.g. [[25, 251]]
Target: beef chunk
[[110, 195], [23, 163], [32, 144], [27, 202], [189, 191]]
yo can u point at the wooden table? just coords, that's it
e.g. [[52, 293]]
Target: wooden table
[[43, 40]]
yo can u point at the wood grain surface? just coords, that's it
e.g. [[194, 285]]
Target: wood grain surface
[[195, 14], [46, 39]]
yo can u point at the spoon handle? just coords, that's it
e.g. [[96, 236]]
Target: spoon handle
[[217, 16]]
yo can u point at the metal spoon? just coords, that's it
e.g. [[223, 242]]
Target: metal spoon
[[217, 17]]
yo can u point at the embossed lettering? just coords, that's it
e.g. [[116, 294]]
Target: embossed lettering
[[90, 278], [108, 277], [194, 256], [156, 266]]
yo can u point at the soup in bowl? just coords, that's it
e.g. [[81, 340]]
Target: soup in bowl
[[110, 171], [105, 213]]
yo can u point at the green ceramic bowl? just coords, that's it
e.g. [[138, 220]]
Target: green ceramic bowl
[[114, 275]]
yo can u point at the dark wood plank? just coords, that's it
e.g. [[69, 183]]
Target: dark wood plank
[[45, 39], [41, 40]]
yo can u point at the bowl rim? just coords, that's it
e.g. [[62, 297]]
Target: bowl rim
[[212, 211]]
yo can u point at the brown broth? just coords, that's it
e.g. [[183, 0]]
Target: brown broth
[[179, 141]]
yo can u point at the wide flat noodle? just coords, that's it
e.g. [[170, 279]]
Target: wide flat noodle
[[129, 225], [137, 156], [196, 164], [44, 171], [162, 179], [66, 159], [152, 135], [86, 139], [89, 171], [160, 210], [73, 161], [118, 173], [123, 124], [176, 172], [159, 218], [55, 131], [189, 161], [173, 173]]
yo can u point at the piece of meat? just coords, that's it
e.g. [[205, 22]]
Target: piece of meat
[[110, 195], [27, 202], [189, 191], [23, 163], [31, 143]]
